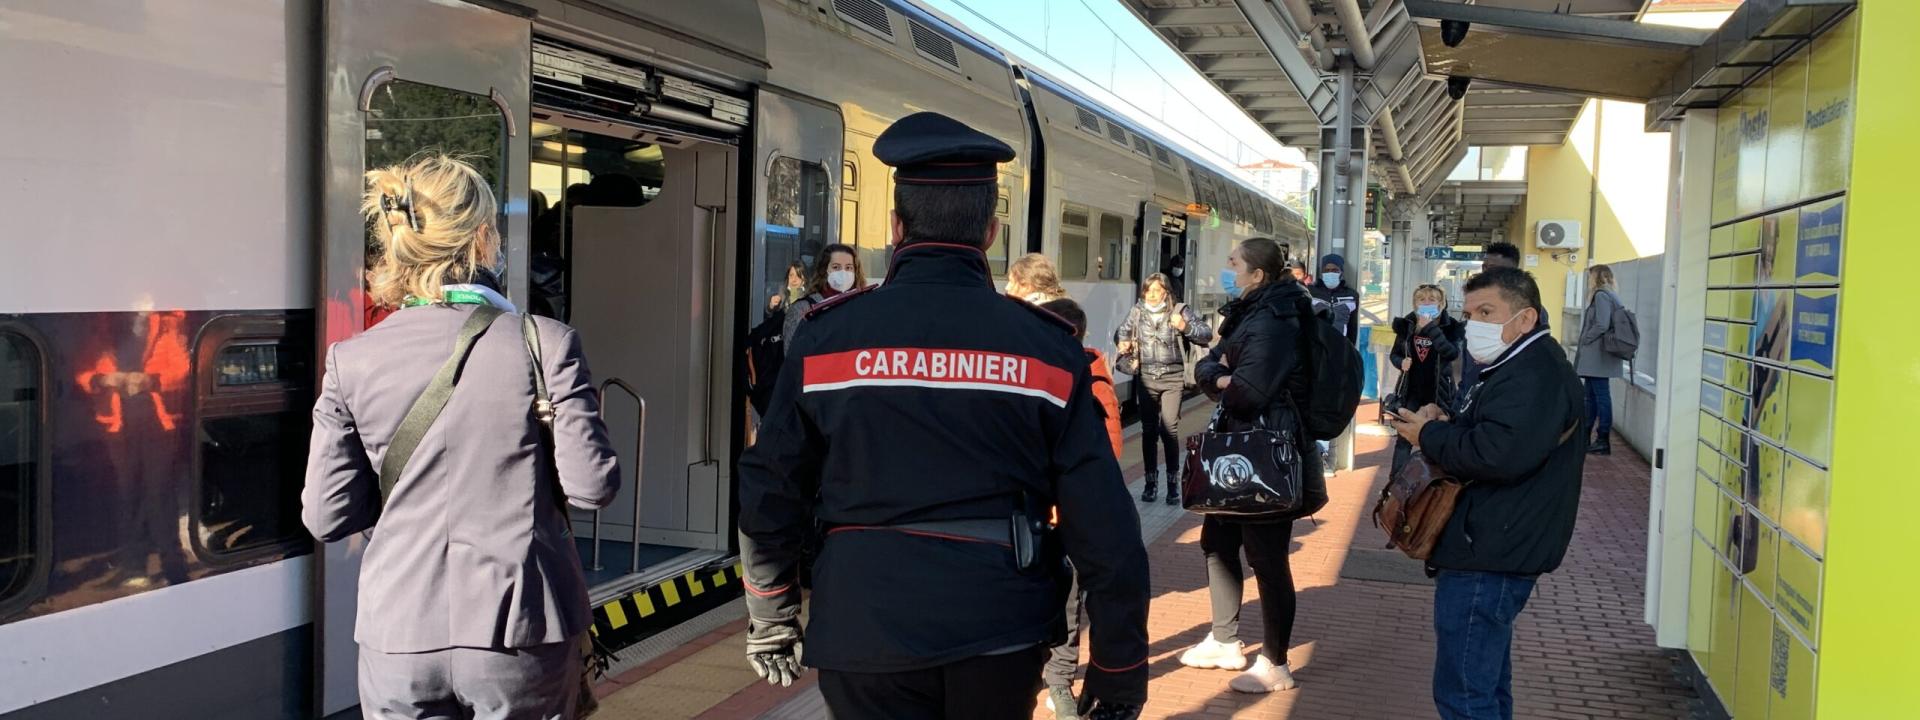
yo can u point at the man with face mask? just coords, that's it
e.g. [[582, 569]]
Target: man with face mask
[[1517, 443], [1333, 289]]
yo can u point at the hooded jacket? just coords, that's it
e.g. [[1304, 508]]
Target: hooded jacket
[[1344, 299]]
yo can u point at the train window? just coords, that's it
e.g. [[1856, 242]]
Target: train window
[[1112, 243], [796, 218], [850, 223], [20, 486], [1073, 242], [406, 118], [254, 384], [998, 252]]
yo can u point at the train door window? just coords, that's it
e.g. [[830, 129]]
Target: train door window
[[1112, 242], [849, 203], [999, 253], [1073, 241], [405, 119], [796, 218], [253, 397], [20, 468]]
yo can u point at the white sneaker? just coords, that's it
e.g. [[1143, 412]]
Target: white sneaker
[[1211, 653], [1263, 677]]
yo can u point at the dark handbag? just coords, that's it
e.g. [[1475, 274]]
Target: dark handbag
[[1247, 474]]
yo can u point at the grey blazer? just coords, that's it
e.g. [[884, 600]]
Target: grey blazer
[[471, 550], [1590, 360]]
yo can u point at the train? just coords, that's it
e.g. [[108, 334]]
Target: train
[[184, 239]]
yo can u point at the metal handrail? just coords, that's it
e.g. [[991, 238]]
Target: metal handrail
[[639, 465]]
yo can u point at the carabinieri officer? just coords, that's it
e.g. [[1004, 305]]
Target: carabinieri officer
[[926, 429]]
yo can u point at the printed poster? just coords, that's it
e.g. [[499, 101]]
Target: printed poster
[[1803, 504], [1786, 120], [1828, 140], [1816, 320], [1819, 247], [1751, 107]]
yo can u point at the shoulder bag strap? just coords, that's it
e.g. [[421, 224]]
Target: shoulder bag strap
[[543, 411], [427, 407]]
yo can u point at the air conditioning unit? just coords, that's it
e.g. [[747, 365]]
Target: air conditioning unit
[[1557, 234]]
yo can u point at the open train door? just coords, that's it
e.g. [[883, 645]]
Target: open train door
[[402, 77]]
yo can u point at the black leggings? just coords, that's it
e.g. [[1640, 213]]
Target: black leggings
[[1267, 546], [1162, 395]]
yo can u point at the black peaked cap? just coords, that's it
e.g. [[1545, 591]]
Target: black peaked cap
[[928, 148]]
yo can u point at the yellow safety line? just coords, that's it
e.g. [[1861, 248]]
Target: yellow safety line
[[616, 616], [672, 593], [694, 586], [645, 601]]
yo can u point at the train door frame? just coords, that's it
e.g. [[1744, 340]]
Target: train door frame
[[483, 51]]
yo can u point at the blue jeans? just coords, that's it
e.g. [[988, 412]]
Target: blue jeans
[[1473, 614], [1599, 405]]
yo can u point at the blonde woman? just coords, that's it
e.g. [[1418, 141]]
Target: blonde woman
[[472, 601], [1032, 278], [1597, 367]]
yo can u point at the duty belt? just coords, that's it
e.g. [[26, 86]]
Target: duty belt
[[1018, 533]]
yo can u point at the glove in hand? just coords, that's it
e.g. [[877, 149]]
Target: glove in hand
[[773, 649]]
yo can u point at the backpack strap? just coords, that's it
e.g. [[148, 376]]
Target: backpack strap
[[432, 400], [543, 411]]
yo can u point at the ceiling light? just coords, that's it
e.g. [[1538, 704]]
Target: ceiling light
[[558, 147]]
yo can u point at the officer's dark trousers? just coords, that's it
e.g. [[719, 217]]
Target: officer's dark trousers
[[988, 686], [1065, 657]]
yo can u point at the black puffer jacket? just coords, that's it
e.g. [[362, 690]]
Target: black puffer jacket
[[1261, 348], [1162, 347]]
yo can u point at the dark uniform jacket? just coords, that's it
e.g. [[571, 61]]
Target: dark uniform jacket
[[1261, 347], [934, 398], [1509, 443]]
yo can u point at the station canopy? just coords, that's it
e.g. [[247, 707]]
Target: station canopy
[[1434, 77]]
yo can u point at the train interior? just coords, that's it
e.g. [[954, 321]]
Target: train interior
[[631, 232]]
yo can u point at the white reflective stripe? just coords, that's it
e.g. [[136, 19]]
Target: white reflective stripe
[[69, 651], [939, 384]]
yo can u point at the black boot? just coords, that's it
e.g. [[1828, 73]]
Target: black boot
[[1173, 486], [1602, 445], [1152, 490]]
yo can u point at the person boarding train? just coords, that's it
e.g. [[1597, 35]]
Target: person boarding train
[[928, 453]]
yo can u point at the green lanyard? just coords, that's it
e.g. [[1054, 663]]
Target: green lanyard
[[453, 297]]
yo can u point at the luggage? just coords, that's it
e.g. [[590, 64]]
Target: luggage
[[1415, 506], [1247, 474]]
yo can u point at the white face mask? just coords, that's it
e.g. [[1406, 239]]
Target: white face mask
[[1486, 341], [840, 280]]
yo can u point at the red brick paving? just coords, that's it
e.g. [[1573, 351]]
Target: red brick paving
[[1362, 649]]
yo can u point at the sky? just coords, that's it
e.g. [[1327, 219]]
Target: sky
[[1103, 50]]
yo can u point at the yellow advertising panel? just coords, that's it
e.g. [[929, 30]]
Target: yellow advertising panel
[[1720, 302], [1739, 338], [1746, 235], [1796, 592], [1828, 140], [1751, 107], [1790, 677], [1707, 505], [1786, 121], [1744, 309], [1779, 249], [1756, 649], [1739, 375], [1817, 256], [1700, 603], [1764, 557], [1715, 336], [1810, 418], [1770, 466], [1725, 642], [1726, 164], [1803, 504], [1770, 403], [1720, 241]]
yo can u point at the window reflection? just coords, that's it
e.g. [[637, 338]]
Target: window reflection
[[19, 464], [796, 218]]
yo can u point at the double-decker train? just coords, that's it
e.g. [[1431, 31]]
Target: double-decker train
[[182, 237]]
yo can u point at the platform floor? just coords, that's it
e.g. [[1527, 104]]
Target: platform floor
[[1362, 647]]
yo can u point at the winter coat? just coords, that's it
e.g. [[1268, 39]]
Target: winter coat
[[1260, 348], [1435, 351], [1519, 443], [1592, 360], [1109, 400], [1162, 349]]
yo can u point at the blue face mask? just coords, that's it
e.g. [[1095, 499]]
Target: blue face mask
[[1330, 279], [1227, 278], [1428, 311]]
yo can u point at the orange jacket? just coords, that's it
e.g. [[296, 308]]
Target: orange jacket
[[1109, 401]]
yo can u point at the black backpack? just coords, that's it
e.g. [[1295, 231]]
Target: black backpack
[[766, 352], [1334, 376]]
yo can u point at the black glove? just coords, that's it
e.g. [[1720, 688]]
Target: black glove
[[773, 649]]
